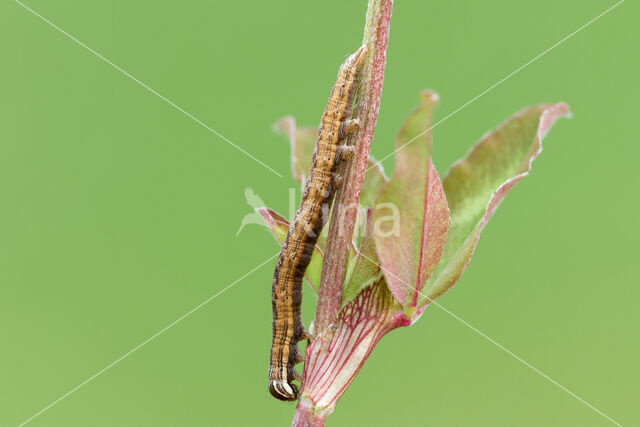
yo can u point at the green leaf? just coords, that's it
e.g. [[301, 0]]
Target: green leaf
[[476, 184], [374, 180], [366, 269], [410, 249]]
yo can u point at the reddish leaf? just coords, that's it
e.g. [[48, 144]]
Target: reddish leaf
[[409, 250]]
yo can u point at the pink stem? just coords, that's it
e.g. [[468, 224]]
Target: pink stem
[[376, 37], [306, 418]]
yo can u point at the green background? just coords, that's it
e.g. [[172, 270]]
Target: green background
[[118, 213]]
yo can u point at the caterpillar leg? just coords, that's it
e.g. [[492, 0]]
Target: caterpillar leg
[[296, 376], [346, 152], [348, 127], [306, 335], [336, 179], [308, 228]]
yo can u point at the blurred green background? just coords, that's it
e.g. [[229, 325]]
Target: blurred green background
[[119, 214]]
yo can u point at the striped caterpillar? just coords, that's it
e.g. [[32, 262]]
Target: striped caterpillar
[[324, 177]]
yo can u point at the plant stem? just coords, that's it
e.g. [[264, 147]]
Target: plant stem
[[306, 418], [345, 208]]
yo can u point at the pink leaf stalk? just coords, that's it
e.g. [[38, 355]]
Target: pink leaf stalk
[[376, 38]]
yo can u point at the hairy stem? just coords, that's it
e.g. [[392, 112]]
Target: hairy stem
[[376, 37]]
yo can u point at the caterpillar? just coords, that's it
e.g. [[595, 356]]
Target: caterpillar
[[319, 191]]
